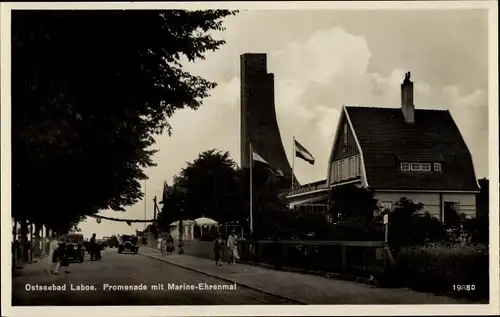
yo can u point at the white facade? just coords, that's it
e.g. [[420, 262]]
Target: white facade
[[434, 202]]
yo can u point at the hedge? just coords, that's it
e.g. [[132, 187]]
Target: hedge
[[437, 268]]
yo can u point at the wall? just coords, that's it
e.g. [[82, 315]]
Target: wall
[[431, 201], [345, 161], [467, 202]]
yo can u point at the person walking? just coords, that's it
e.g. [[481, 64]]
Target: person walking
[[160, 239], [232, 245], [53, 260], [57, 256], [218, 249], [170, 244], [95, 249], [163, 245], [64, 256]]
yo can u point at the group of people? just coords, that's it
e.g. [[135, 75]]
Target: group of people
[[232, 247], [58, 253], [166, 244]]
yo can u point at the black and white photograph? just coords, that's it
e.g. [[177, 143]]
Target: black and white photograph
[[188, 158]]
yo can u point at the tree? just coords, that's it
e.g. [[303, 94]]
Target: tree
[[351, 202], [211, 185], [90, 89], [409, 225], [172, 209]]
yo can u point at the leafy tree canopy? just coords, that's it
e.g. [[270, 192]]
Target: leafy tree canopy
[[90, 89], [351, 202], [409, 225], [210, 188]]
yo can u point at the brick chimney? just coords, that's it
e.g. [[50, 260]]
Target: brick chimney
[[407, 105]]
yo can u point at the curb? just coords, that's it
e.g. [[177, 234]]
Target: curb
[[226, 279]]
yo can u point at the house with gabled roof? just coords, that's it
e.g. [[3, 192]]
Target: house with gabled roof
[[419, 154]]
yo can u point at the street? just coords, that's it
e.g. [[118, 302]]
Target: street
[[129, 270]]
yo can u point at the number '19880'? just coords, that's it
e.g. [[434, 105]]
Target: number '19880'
[[464, 287]]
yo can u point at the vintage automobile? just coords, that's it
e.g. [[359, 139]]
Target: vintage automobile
[[128, 243], [75, 247], [113, 242], [102, 244]]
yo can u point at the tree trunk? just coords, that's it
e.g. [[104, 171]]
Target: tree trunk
[[14, 246], [24, 241], [37, 249], [31, 243], [46, 243]]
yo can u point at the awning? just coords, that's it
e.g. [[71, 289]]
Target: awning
[[307, 201]]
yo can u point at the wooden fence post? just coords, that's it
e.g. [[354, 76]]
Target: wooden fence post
[[343, 257]]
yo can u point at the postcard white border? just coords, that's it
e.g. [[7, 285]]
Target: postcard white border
[[245, 310]]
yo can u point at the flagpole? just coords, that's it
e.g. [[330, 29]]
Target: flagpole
[[251, 188], [293, 160]]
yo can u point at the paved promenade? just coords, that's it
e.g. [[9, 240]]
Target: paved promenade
[[119, 270], [302, 288]]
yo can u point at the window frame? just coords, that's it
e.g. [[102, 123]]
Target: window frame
[[437, 167], [402, 164], [429, 169], [415, 169]]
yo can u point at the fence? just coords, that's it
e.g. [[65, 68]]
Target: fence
[[354, 258]]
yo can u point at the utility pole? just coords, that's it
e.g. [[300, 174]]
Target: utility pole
[[155, 207], [145, 201]]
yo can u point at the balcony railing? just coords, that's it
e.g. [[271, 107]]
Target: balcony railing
[[305, 188]]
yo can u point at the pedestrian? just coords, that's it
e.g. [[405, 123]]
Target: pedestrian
[[64, 256], [218, 249], [163, 245], [53, 261], [160, 238], [232, 245], [170, 244], [94, 249], [57, 256]]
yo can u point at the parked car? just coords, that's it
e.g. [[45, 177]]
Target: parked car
[[128, 243], [75, 247], [102, 244], [113, 242]]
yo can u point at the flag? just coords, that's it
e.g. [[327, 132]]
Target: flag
[[303, 153], [257, 158]]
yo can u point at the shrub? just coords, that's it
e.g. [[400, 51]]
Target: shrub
[[356, 229], [408, 226], [437, 267]]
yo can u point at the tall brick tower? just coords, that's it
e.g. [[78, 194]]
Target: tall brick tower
[[258, 115]]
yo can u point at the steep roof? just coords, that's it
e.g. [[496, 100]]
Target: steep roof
[[386, 140]]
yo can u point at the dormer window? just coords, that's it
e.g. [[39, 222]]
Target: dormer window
[[405, 167], [416, 167], [426, 167], [420, 167]]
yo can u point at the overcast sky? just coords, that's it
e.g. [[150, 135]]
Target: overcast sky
[[322, 60]]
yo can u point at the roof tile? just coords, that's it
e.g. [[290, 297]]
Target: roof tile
[[386, 140]]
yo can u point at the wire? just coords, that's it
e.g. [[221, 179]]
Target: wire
[[122, 220]]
